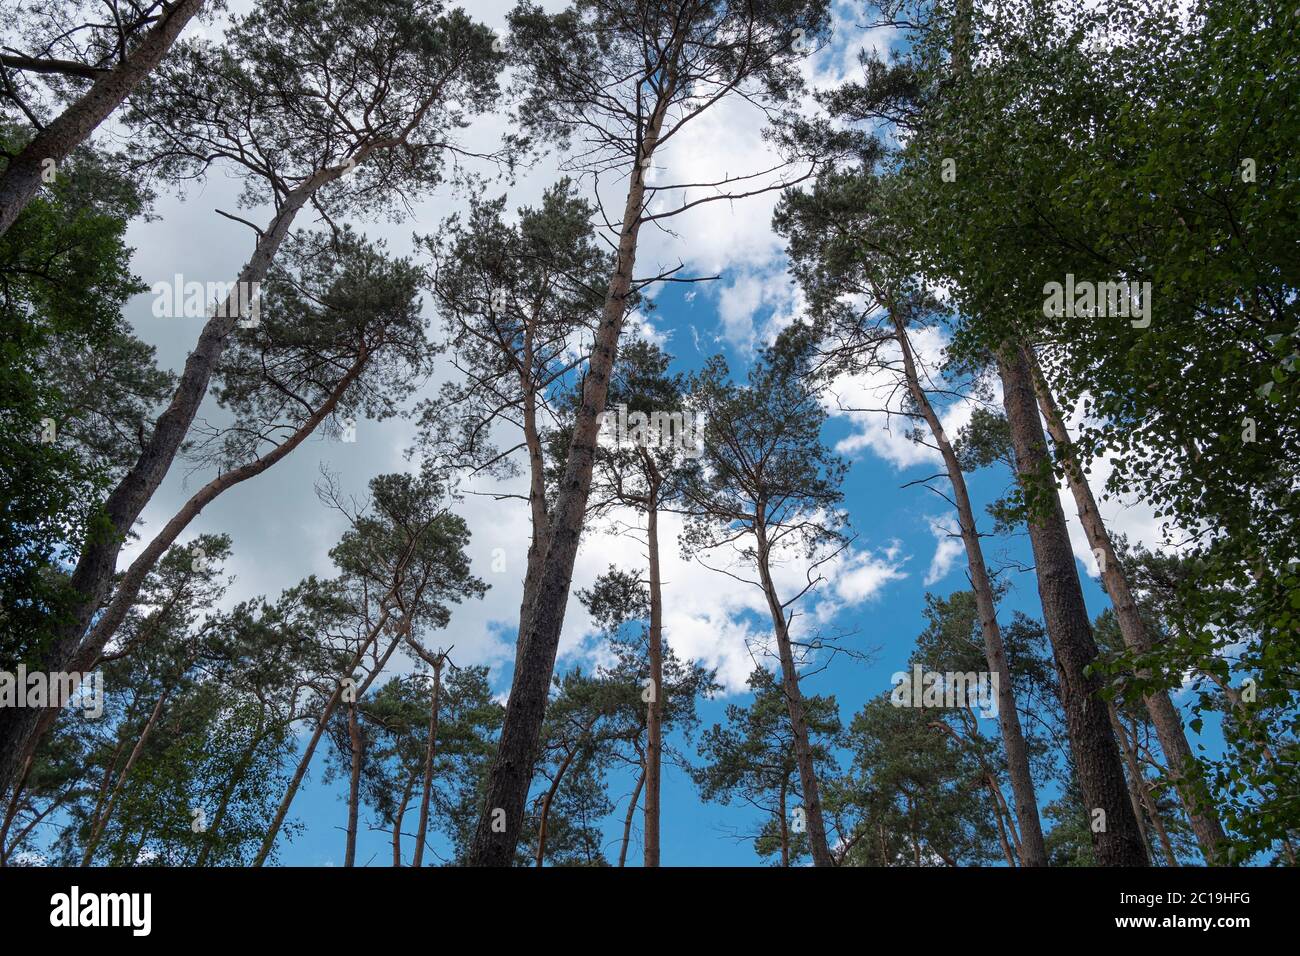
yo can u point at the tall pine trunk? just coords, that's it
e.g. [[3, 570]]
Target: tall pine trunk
[[631, 815], [1092, 744], [354, 784], [430, 752], [803, 757], [500, 824], [1033, 852], [1164, 715]]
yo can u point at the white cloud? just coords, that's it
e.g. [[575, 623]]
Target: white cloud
[[947, 549]]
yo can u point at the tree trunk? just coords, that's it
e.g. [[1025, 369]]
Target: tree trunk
[[785, 824], [305, 761], [236, 777], [803, 757], [997, 815], [354, 785], [654, 719], [1096, 755], [398, 817], [1135, 776], [548, 798], [427, 790], [22, 177], [1182, 765], [21, 728], [536, 506], [101, 820], [1146, 797], [512, 770], [631, 814], [1033, 852]]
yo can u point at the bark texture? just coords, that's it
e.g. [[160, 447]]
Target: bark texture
[[1164, 715], [1092, 744]]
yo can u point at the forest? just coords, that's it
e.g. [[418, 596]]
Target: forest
[[638, 433]]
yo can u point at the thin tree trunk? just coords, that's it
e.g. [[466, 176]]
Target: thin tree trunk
[[236, 777], [22, 177], [1033, 851], [1135, 775], [785, 824], [631, 814], [512, 770], [997, 814], [354, 784], [654, 719], [1092, 743], [101, 820], [551, 791], [292, 790], [427, 789], [536, 502], [399, 816], [1129, 738], [817, 844], [1168, 723]]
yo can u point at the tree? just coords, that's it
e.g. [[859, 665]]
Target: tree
[[240, 103], [514, 299], [402, 561], [751, 759], [655, 691], [76, 387], [923, 95], [770, 490], [655, 67], [647, 470], [845, 242], [145, 32]]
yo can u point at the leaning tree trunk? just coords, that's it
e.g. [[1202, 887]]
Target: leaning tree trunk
[[22, 177], [502, 818], [540, 521], [268, 841], [20, 728], [236, 777], [1182, 764], [100, 822], [1092, 744], [1033, 852], [654, 718], [127, 589], [803, 757], [631, 815], [429, 753], [400, 815]]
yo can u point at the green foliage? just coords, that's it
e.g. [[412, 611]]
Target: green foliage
[[70, 372]]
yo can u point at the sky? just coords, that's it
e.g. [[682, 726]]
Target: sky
[[876, 592]]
